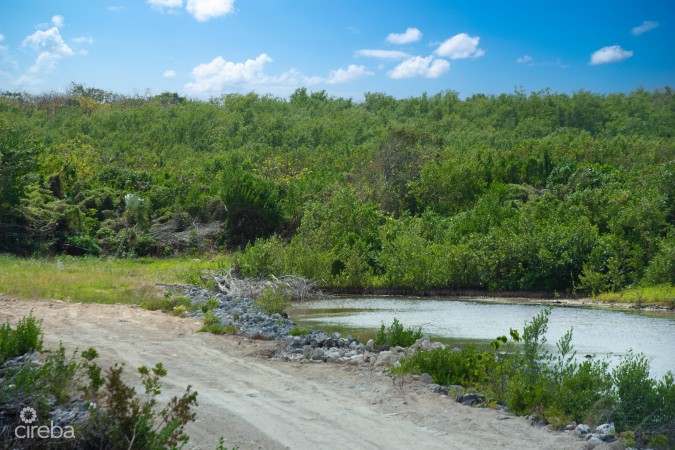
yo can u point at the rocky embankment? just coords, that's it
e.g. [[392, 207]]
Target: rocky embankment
[[317, 346]]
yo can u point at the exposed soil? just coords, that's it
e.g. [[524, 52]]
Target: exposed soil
[[255, 401]]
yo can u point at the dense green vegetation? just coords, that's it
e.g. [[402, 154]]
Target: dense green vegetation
[[520, 373], [543, 191]]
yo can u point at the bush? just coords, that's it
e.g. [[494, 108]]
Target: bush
[[397, 335], [131, 421], [274, 300], [82, 245], [296, 331], [447, 366], [211, 319], [262, 259], [26, 337]]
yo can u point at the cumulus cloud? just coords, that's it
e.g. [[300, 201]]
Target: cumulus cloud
[[214, 76], [417, 66], [169, 73], [524, 59], [647, 25], [51, 49], [610, 54], [460, 46], [410, 35], [219, 74], [58, 21], [351, 73], [203, 10], [383, 54]]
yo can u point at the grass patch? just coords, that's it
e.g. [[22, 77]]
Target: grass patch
[[663, 294], [99, 280], [219, 329]]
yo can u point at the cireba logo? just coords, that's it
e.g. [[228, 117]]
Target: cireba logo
[[51, 431]]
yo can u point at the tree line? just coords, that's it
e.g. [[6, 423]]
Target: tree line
[[538, 191]]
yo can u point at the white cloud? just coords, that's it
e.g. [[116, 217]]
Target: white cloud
[[420, 67], [159, 4], [214, 76], [219, 74], [58, 21], [410, 35], [524, 59], [460, 46], [383, 54], [610, 54], [169, 73], [51, 47], [351, 73], [647, 25], [203, 10], [117, 9]]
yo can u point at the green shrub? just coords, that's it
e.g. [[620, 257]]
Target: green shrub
[[397, 335], [296, 331], [448, 366], [82, 245], [262, 259], [274, 300], [211, 319], [26, 337], [131, 421], [642, 402], [210, 305]]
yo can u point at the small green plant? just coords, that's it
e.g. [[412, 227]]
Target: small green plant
[[211, 319], [93, 372], [26, 337], [397, 335], [296, 331], [274, 300], [210, 305]]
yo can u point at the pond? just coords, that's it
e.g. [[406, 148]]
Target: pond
[[599, 332]]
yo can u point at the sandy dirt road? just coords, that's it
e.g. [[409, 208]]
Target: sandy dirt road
[[254, 401]]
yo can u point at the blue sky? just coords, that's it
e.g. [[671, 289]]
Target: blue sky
[[205, 48]]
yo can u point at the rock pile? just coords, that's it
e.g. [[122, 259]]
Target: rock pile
[[238, 312], [602, 434]]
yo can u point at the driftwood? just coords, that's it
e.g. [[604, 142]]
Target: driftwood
[[299, 288]]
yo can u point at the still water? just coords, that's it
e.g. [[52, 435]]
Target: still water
[[598, 332]]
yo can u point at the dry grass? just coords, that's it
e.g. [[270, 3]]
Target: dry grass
[[99, 280]]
